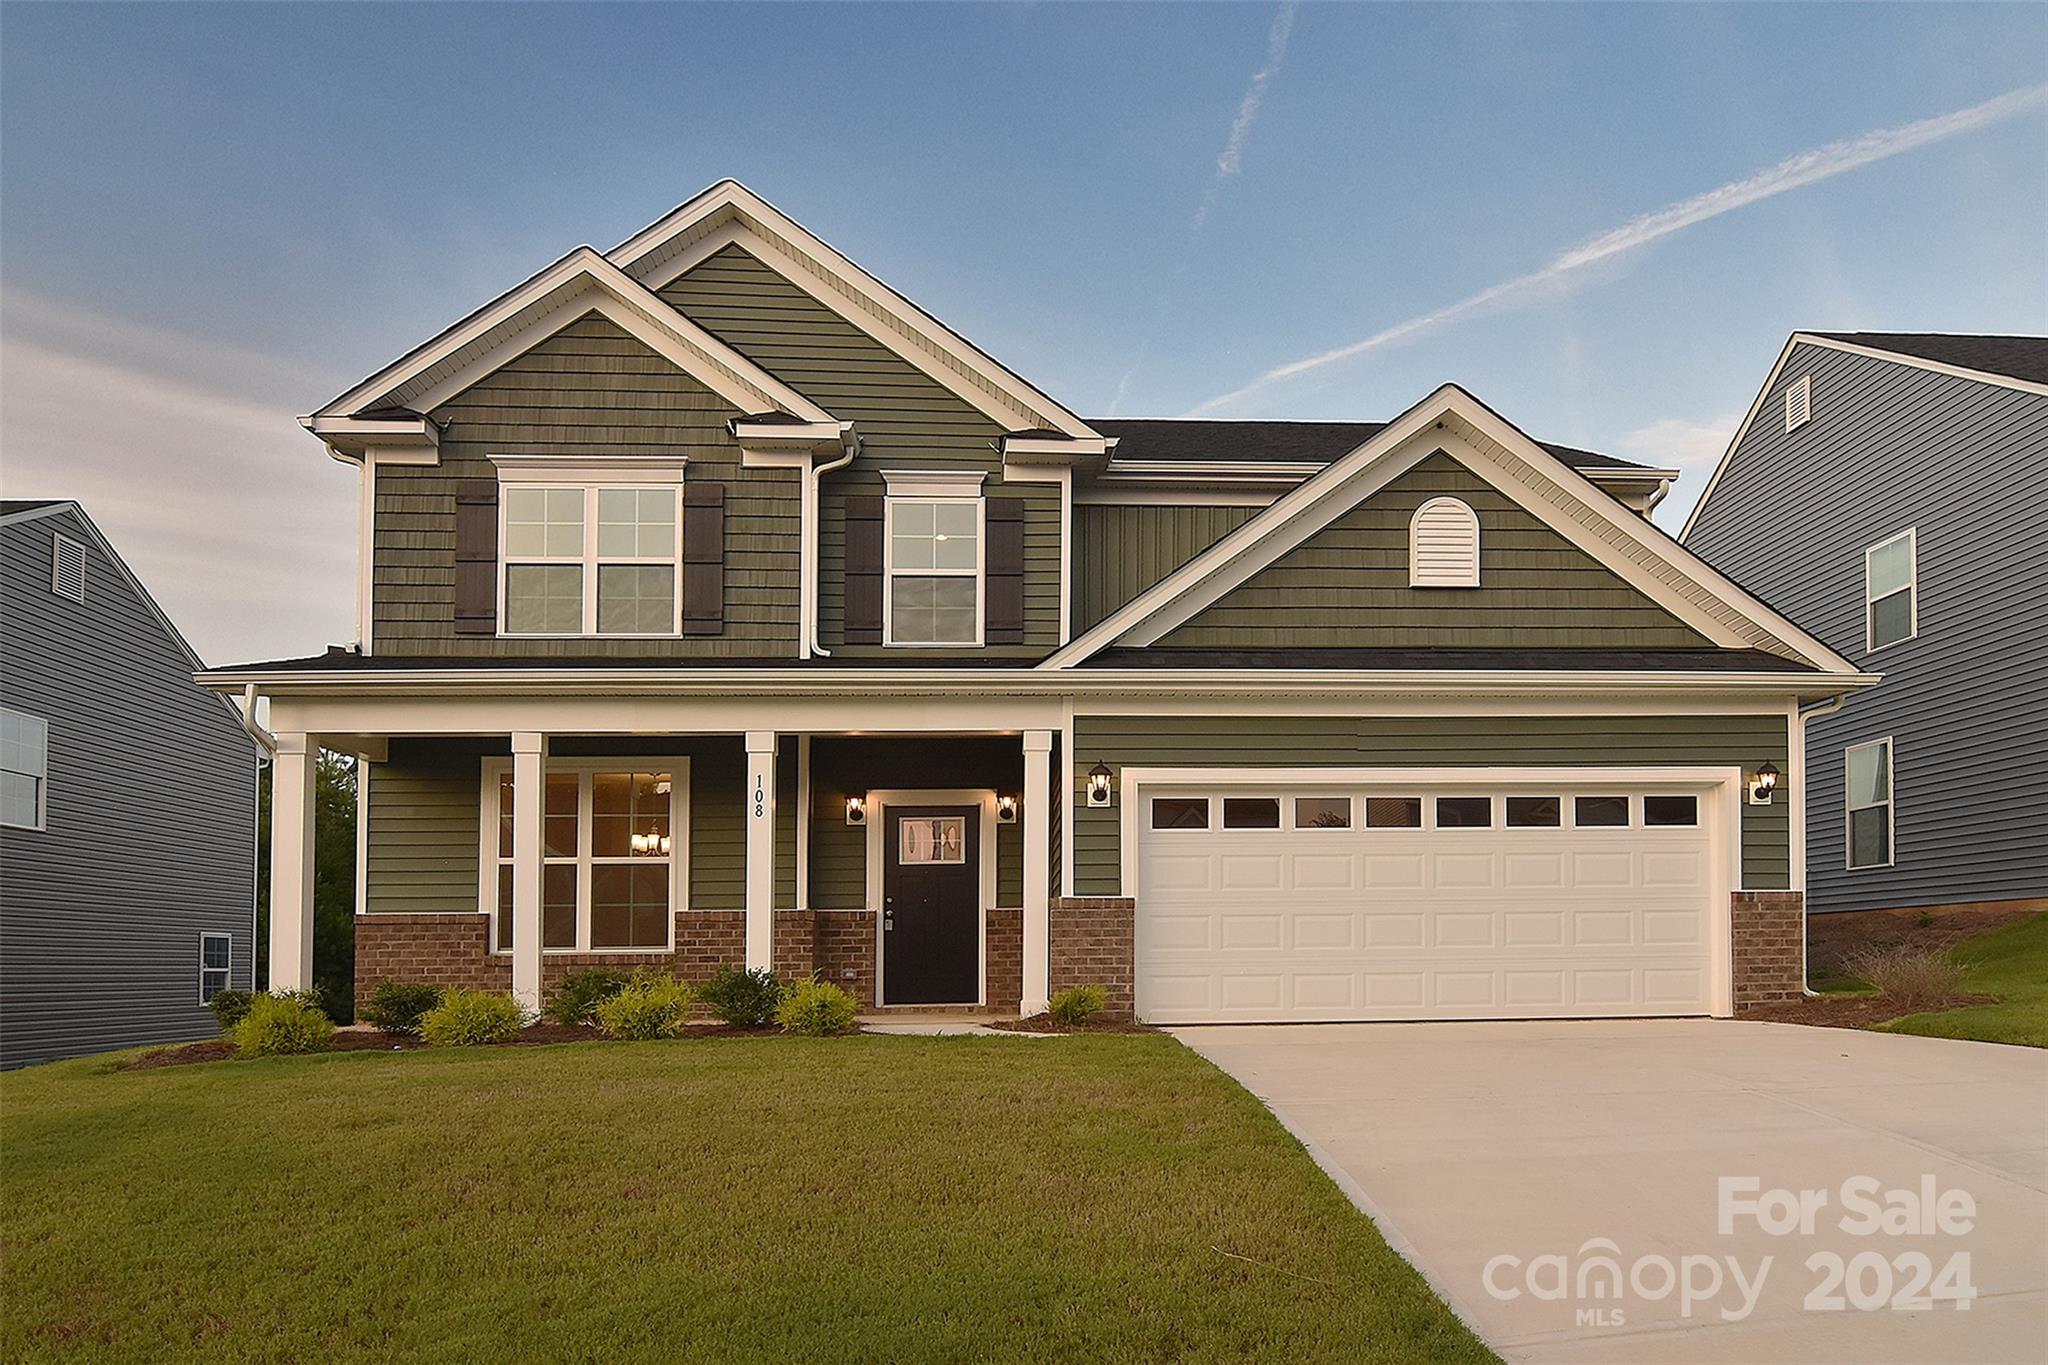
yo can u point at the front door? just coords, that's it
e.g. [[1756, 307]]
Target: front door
[[931, 906]]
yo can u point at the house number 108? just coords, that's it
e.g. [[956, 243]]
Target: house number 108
[[760, 797]]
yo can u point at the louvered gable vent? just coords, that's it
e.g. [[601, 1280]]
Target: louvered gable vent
[[67, 568], [1443, 545], [1799, 403]]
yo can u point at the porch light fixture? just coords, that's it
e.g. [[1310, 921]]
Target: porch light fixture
[[1764, 785], [857, 809], [1006, 810], [1098, 784]]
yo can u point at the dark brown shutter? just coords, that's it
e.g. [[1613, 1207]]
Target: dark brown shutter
[[476, 557], [1004, 560], [703, 558], [864, 570]]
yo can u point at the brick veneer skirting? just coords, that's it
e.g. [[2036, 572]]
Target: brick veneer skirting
[[832, 945], [1093, 943], [1770, 947]]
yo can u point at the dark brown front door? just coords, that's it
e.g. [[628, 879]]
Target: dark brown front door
[[931, 905]]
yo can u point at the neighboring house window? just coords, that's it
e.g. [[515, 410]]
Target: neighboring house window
[[591, 560], [1890, 594], [608, 873], [67, 568], [1869, 778], [1799, 403], [934, 571], [24, 769], [213, 965], [1443, 545]]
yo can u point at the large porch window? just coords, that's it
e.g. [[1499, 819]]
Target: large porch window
[[611, 831]]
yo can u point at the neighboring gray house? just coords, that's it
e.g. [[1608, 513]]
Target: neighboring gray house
[[1890, 492], [127, 806]]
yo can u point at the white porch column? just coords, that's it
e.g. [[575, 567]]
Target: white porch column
[[529, 795], [760, 798], [292, 772], [1037, 818]]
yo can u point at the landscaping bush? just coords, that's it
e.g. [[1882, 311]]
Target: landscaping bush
[[747, 999], [577, 998], [396, 1006], [472, 1018], [1074, 1004], [649, 1006], [230, 1008], [1909, 976], [817, 1008], [282, 1025]]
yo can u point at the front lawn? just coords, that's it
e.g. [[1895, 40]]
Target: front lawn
[[2010, 963], [777, 1199]]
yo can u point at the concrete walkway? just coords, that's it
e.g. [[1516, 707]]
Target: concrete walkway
[[1494, 1145]]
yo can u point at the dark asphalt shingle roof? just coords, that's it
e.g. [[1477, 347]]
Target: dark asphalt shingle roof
[[10, 506], [2015, 357], [1513, 660], [1178, 439]]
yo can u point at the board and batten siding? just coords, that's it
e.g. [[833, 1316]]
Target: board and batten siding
[[590, 389], [150, 827], [1264, 742], [1122, 549], [1965, 702], [907, 420], [1347, 586]]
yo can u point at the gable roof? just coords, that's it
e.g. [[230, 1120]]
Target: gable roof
[[1642, 555], [15, 511], [1200, 440]]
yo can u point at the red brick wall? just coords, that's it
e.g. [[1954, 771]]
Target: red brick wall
[[1770, 947], [843, 951], [795, 940], [1092, 944], [1003, 990]]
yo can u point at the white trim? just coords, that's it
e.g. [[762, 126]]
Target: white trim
[[959, 484], [590, 470], [363, 834], [227, 973], [1099, 496], [1890, 805], [1036, 851], [758, 802], [42, 779], [60, 544], [879, 800], [803, 821], [979, 573], [1461, 540], [1066, 556], [1057, 450], [1798, 403], [366, 551], [1911, 535]]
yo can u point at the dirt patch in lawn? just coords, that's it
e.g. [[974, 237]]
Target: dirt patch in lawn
[[1852, 1011], [1832, 939], [212, 1050], [1044, 1023]]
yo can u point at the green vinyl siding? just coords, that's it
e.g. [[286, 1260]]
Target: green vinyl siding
[[843, 767], [1424, 742], [590, 389], [786, 794], [1120, 550], [1347, 586], [907, 420]]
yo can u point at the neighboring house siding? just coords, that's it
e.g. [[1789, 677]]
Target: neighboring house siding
[[150, 828], [907, 420], [1347, 585], [1421, 742], [1122, 549], [1893, 446], [590, 389]]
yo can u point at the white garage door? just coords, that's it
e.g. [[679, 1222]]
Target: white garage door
[[1429, 902]]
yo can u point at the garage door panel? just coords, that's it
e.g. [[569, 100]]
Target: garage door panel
[[1266, 930], [1249, 872], [1325, 991], [1463, 870], [1314, 931], [1530, 989], [1533, 928], [1527, 871], [1383, 930], [1323, 872], [1603, 869], [1603, 928], [1463, 928], [1464, 990], [1389, 870]]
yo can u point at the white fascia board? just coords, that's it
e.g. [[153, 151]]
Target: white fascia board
[[730, 213], [934, 483], [805, 436], [1175, 497], [1053, 450], [1179, 471]]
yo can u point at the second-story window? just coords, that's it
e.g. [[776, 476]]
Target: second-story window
[[934, 571], [591, 560], [1891, 611]]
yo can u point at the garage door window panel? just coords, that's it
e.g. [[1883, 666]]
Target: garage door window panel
[[1600, 812], [1322, 812], [1393, 812], [1180, 812], [1251, 812], [1535, 812], [1671, 812], [1464, 812]]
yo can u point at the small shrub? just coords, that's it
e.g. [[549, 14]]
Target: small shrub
[[1908, 976], [472, 1019], [577, 998], [230, 1008], [817, 1008], [648, 1007], [1924, 920], [282, 1025], [743, 998], [1074, 1004], [396, 1006]]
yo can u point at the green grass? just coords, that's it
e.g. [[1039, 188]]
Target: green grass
[[2010, 963], [713, 1199]]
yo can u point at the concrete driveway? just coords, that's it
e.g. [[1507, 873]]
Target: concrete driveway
[[1482, 1149]]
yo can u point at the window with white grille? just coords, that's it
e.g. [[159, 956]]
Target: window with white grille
[[1443, 545], [67, 568], [1799, 403]]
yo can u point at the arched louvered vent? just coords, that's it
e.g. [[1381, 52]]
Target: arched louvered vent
[[1443, 545]]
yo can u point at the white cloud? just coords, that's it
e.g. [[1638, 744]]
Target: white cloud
[[1822, 163], [1680, 443]]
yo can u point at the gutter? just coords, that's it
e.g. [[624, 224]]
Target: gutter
[[1807, 712], [807, 555], [264, 739]]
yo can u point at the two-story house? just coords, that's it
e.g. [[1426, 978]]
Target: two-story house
[[1890, 490], [718, 604]]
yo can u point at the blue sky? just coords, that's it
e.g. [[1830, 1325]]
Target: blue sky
[[214, 218]]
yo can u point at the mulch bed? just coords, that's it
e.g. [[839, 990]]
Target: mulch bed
[[1043, 1023], [354, 1039], [212, 1050], [1852, 1011], [1831, 939]]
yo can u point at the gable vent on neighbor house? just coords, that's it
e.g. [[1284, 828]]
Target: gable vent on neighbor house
[[67, 568], [1443, 545], [1799, 403]]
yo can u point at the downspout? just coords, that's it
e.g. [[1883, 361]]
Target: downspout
[[1806, 713], [814, 477]]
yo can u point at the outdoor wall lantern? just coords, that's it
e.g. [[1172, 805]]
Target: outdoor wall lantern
[[1098, 784], [1764, 785], [1006, 810], [857, 809]]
